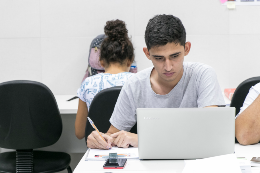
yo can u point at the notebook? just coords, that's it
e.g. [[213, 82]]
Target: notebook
[[98, 154]]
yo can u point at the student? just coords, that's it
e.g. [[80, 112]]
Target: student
[[248, 119], [171, 83], [116, 56]]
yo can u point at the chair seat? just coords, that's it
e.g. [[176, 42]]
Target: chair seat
[[44, 161]]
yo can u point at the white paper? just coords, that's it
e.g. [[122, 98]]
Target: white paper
[[231, 4], [245, 165], [128, 153]]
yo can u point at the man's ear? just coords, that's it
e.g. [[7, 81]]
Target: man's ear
[[187, 48], [146, 52]]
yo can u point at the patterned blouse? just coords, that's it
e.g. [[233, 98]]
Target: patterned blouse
[[94, 84]]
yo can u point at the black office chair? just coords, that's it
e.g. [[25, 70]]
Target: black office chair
[[241, 92], [29, 119], [101, 109]]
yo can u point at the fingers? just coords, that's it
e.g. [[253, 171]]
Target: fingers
[[100, 141], [109, 140], [122, 139], [95, 141], [92, 142], [116, 140], [115, 135], [93, 146], [125, 144]]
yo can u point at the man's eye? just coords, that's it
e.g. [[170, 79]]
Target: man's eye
[[158, 58], [175, 56]]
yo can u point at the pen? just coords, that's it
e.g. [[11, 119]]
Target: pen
[[93, 125]]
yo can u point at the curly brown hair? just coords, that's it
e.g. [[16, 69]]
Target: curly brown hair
[[116, 47]]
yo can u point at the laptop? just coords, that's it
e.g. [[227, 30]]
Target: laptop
[[185, 133]]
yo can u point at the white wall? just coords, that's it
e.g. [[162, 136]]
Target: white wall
[[48, 40]]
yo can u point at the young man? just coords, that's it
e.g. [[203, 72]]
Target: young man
[[171, 83], [248, 119]]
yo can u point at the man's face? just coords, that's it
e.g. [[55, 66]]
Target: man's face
[[168, 60]]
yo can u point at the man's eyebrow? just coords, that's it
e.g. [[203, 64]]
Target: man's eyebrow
[[160, 56], [177, 53]]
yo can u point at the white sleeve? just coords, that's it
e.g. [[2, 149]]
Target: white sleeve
[[251, 96], [82, 90], [209, 92]]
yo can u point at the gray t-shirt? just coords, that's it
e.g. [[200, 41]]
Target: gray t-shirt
[[198, 87]]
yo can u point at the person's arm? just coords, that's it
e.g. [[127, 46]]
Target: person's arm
[[123, 118], [81, 119], [248, 124], [112, 130]]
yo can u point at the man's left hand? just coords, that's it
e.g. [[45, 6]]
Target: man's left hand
[[124, 139]]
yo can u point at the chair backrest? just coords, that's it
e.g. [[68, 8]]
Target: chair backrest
[[101, 109], [242, 91], [29, 115]]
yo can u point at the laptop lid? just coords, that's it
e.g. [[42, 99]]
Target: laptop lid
[[185, 133]]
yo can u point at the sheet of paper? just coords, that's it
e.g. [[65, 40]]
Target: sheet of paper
[[97, 154], [224, 164], [244, 164], [231, 4]]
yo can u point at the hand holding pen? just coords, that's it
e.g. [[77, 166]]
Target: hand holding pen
[[97, 139]]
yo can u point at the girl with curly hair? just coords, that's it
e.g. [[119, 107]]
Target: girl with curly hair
[[116, 56]]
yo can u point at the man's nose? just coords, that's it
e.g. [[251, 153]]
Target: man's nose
[[168, 65]]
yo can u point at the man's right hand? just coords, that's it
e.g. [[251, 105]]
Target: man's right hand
[[95, 141]]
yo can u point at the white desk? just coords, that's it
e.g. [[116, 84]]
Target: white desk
[[71, 107], [67, 107], [159, 165]]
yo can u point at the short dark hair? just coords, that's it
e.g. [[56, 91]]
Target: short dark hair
[[163, 29], [116, 47]]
